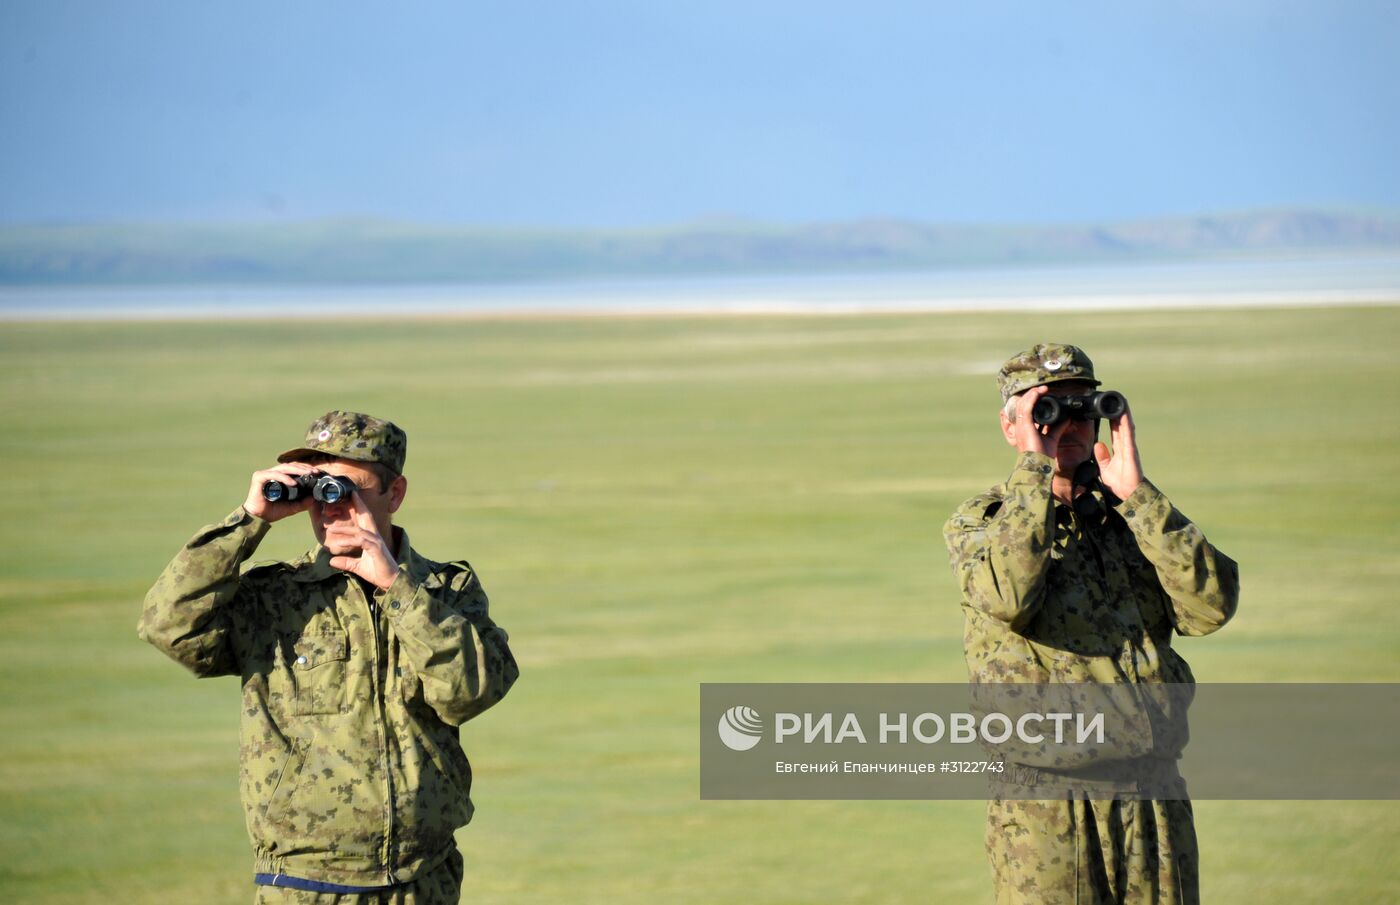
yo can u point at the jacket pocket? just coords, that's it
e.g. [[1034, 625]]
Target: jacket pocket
[[318, 665], [277, 809], [440, 801]]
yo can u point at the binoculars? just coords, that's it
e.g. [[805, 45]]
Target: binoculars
[[323, 488], [1054, 409]]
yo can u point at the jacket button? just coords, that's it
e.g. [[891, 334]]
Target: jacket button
[[394, 605], [301, 661]]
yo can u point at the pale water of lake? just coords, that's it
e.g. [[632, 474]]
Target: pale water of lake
[[1320, 279]]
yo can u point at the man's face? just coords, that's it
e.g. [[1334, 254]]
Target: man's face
[[1075, 439], [382, 502]]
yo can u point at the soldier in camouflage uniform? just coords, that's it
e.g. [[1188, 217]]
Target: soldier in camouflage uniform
[[359, 661], [1090, 593]]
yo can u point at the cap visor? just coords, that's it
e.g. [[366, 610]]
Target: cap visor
[[295, 455], [1070, 377], [292, 455]]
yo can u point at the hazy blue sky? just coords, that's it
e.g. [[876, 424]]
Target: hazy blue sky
[[634, 113]]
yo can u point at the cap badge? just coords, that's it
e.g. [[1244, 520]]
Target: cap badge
[[1054, 364], [323, 436]]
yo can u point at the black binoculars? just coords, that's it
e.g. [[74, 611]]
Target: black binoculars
[[323, 488], [1054, 409]]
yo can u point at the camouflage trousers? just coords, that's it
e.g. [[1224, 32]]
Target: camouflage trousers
[[440, 886], [1093, 852]]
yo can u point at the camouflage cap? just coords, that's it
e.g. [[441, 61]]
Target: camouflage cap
[[351, 435], [1042, 364]]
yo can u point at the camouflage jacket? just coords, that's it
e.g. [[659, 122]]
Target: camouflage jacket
[[1047, 599], [352, 770]]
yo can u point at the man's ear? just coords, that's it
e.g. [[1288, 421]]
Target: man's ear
[[1008, 428], [396, 493]]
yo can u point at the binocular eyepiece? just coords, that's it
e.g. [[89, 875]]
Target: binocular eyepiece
[[1054, 409], [323, 488]]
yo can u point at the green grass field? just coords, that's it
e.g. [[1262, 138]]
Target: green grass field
[[652, 504]]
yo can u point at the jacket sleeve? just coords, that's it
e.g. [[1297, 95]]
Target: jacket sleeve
[[189, 611], [1000, 554], [461, 656], [1202, 583]]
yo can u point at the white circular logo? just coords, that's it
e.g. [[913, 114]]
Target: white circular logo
[[1054, 364], [740, 728], [323, 436]]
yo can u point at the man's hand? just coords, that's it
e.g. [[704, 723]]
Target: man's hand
[[360, 549], [287, 474], [1032, 437], [1120, 471]]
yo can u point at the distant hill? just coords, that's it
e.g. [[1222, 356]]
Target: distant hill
[[369, 251]]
